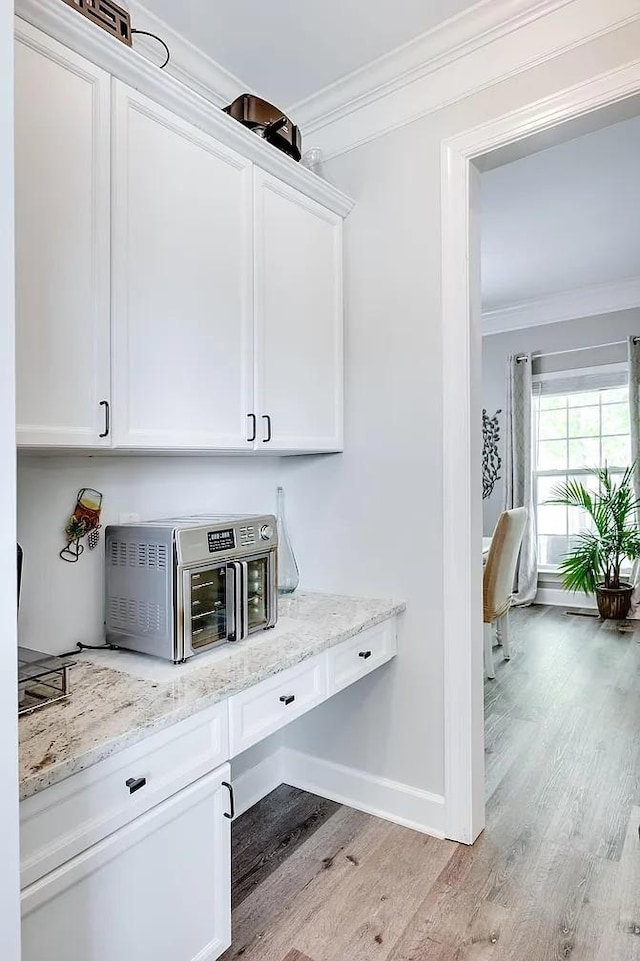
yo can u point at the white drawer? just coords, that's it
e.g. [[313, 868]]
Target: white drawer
[[68, 817], [265, 708], [360, 655]]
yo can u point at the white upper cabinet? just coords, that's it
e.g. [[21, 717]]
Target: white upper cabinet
[[298, 305], [182, 285], [170, 294], [62, 244]]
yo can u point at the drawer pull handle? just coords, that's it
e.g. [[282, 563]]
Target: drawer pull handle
[[288, 698], [364, 654], [135, 783], [232, 801]]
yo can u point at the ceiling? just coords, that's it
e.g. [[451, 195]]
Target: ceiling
[[287, 50], [565, 218]]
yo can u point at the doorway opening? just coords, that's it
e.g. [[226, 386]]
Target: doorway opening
[[602, 103], [560, 246]]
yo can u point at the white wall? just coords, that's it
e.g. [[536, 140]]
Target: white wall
[[582, 332], [373, 515], [9, 913], [63, 603], [378, 507]]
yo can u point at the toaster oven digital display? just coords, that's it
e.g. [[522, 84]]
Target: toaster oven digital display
[[221, 540]]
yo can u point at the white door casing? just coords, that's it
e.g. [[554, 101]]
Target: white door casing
[[182, 283], [462, 403], [9, 872], [62, 244]]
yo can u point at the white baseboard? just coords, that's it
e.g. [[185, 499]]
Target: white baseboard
[[557, 597], [252, 785], [391, 800]]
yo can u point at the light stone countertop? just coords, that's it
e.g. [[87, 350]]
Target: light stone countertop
[[119, 698]]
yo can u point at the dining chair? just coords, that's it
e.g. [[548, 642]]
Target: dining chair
[[497, 585]]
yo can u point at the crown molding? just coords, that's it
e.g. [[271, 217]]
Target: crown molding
[[451, 62], [64, 24], [447, 41], [188, 64], [587, 301]]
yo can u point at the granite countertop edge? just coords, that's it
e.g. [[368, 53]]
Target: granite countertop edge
[[54, 771]]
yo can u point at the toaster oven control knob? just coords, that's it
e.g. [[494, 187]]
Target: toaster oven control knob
[[266, 532]]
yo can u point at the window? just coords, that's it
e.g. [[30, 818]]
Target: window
[[575, 432]]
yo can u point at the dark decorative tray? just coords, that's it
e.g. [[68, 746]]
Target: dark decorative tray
[[42, 679]]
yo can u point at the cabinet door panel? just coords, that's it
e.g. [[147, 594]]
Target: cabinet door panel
[[62, 244], [182, 284], [159, 888], [298, 287]]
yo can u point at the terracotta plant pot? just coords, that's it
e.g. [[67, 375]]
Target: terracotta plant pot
[[614, 602]]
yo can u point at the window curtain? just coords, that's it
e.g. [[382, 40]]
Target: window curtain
[[634, 424], [519, 478]]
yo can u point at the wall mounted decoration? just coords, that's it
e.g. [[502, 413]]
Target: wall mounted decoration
[[107, 15], [84, 522], [116, 21], [491, 460]]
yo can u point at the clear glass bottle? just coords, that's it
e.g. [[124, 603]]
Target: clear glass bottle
[[312, 160], [288, 573]]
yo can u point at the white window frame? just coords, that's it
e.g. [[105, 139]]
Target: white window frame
[[595, 379]]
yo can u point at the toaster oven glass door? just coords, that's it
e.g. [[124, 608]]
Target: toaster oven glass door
[[258, 594], [206, 608]]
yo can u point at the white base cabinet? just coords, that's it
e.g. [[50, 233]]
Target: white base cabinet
[[158, 889], [130, 858]]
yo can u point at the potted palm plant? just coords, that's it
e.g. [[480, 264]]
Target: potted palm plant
[[594, 563]]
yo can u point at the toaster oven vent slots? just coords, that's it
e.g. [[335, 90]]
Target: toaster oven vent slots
[[132, 554], [128, 614], [247, 536]]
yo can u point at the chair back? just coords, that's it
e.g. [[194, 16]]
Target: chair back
[[500, 569]]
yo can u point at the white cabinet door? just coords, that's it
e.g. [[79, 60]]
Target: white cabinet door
[[298, 298], [62, 244], [181, 284], [159, 888]]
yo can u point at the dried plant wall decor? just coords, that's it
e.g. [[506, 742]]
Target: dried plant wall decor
[[491, 460]]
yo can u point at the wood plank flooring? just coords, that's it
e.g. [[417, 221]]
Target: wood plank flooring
[[556, 873]]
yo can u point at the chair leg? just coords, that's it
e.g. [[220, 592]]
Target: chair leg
[[499, 632], [488, 651], [504, 633]]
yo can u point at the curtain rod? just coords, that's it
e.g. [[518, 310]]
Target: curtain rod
[[522, 358]]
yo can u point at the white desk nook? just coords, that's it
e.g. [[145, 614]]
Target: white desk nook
[[126, 789]]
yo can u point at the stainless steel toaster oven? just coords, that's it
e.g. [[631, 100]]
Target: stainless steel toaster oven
[[177, 587]]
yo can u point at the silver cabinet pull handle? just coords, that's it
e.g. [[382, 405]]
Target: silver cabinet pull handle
[[254, 427], [265, 440], [364, 654], [288, 698]]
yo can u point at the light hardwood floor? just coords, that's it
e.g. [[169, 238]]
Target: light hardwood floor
[[556, 873]]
